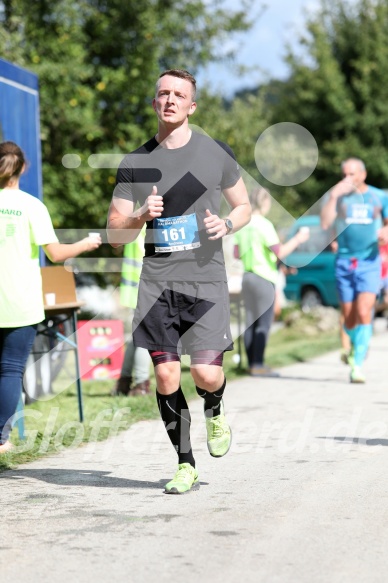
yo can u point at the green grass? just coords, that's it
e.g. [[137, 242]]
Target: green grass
[[289, 346], [52, 425]]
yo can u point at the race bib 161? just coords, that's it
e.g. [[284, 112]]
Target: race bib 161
[[176, 234]]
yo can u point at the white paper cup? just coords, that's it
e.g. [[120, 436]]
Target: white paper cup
[[50, 299], [93, 234]]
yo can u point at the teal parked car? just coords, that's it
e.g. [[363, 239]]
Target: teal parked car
[[311, 280]]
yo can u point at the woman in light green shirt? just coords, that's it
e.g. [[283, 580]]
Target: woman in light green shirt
[[259, 249], [25, 224]]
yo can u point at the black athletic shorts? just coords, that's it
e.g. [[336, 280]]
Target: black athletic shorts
[[182, 317]]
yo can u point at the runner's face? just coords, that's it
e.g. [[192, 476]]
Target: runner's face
[[173, 101], [353, 172]]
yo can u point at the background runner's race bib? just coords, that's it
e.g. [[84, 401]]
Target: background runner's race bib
[[176, 233], [359, 214]]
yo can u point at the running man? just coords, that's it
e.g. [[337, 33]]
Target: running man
[[356, 210], [174, 183]]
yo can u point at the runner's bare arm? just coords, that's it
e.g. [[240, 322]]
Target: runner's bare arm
[[240, 215], [329, 209], [383, 233], [124, 223]]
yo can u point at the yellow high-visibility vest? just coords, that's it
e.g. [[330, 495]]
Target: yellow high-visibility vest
[[130, 272]]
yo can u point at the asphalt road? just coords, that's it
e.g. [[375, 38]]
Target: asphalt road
[[301, 497]]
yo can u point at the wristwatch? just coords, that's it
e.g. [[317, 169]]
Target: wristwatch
[[228, 225]]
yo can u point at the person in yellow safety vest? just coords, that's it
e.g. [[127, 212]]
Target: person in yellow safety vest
[[136, 364]]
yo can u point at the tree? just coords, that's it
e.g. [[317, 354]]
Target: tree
[[97, 61], [239, 123], [339, 92]]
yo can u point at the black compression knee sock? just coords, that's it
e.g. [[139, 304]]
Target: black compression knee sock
[[176, 417], [212, 400]]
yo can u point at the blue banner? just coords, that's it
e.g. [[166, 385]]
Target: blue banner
[[19, 120]]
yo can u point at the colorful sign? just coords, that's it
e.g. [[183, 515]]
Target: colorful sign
[[100, 349]]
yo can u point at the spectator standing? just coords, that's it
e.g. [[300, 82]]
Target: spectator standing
[[136, 365], [25, 225], [383, 248], [259, 248]]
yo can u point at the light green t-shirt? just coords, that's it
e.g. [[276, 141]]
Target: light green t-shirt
[[253, 242], [24, 225]]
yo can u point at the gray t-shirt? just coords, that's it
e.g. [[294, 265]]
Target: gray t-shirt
[[191, 180]]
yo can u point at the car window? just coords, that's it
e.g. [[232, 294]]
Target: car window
[[319, 239]]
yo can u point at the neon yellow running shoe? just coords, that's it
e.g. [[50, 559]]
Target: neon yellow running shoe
[[219, 434], [185, 479], [347, 356], [351, 357], [356, 375]]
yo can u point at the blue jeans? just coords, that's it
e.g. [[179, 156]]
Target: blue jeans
[[15, 346]]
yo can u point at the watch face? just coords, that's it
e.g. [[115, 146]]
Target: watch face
[[229, 224]]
